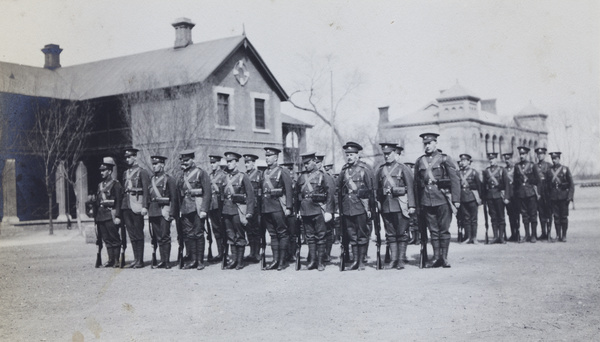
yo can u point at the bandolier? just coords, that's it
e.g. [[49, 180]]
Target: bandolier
[[496, 187], [526, 190], [217, 182], [470, 198], [512, 208], [544, 203], [560, 190]]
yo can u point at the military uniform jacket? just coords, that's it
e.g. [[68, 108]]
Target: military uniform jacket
[[164, 199], [277, 191], [108, 200], [496, 183], [194, 191], [237, 193], [435, 175], [314, 194], [543, 167], [355, 189], [330, 181], [135, 193], [217, 181], [395, 188], [470, 185], [510, 174], [559, 183], [255, 177], [526, 179]]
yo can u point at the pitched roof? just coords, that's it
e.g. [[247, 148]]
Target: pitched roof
[[456, 92], [144, 71], [530, 109], [286, 119]]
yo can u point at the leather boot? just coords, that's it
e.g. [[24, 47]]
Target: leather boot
[[564, 226], [253, 254], [312, 252], [234, 258], [111, 257], [321, 254], [436, 260], [275, 250], [543, 236], [473, 234], [401, 255], [328, 245], [240, 257], [139, 245], [291, 251], [502, 233], [445, 244], [282, 257], [219, 255], [533, 231], [413, 237], [354, 265], [200, 244], [190, 245], [167, 256], [527, 232], [362, 252], [135, 255], [117, 251], [418, 237], [162, 263], [393, 254], [467, 237], [558, 230]]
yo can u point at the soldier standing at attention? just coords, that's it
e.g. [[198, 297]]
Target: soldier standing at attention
[[315, 207], [470, 199], [217, 182], [413, 226], [329, 236], [276, 206], [356, 199], [238, 208], [294, 229], [194, 198], [525, 188], [252, 229], [496, 188], [395, 194], [163, 207], [560, 189], [134, 205], [544, 206], [438, 188], [512, 208], [108, 214]]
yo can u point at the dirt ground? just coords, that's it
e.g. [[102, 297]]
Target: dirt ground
[[50, 291]]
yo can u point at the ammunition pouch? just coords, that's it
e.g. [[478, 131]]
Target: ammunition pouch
[[276, 192], [135, 191], [238, 198], [196, 192], [162, 200], [398, 191], [107, 203], [444, 184], [363, 193], [317, 198]]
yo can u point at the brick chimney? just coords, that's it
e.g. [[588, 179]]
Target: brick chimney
[[52, 60], [384, 116], [183, 32]]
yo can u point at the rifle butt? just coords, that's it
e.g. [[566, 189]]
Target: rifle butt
[[122, 264], [154, 262], [98, 259]]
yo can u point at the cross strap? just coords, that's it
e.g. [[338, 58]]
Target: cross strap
[[525, 178], [493, 176], [429, 167], [232, 180], [350, 184], [267, 177], [155, 187], [308, 185], [464, 177], [555, 175], [129, 175], [388, 174], [187, 179], [106, 188]]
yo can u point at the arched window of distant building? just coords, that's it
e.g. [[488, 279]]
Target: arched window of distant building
[[500, 143], [487, 143], [494, 144], [512, 145], [291, 140]]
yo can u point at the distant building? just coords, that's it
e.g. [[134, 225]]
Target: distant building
[[466, 124], [215, 96]]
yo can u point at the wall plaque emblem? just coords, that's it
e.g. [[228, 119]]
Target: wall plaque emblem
[[241, 73]]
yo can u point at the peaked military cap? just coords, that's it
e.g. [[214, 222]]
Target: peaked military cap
[[352, 147], [399, 149], [428, 137], [507, 155], [107, 163], [131, 152], [492, 155], [328, 166], [214, 158], [250, 157], [320, 157], [388, 147], [523, 149], [411, 165], [466, 156], [555, 155], [540, 150], [187, 155], [270, 151], [232, 156], [308, 156], [157, 159], [289, 166]]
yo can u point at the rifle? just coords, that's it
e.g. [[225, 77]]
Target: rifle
[[154, 242], [99, 244], [179, 241], [298, 246], [388, 258], [263, 246], [344, 242], [377, 225], [123, 244], [422, 225], [209, 238], [485, 218]]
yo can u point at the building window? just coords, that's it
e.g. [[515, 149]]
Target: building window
[[223, 109], [259, 113]]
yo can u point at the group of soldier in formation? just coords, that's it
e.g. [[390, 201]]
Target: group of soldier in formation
[[236, 208]]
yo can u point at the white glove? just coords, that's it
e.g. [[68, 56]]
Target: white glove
[[327, 217]]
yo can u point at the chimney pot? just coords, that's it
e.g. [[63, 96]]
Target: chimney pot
[[52, 56], [183, 32], [384, 115]]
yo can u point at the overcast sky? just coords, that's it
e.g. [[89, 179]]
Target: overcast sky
[[546, 52]]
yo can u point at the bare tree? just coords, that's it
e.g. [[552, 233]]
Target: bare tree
[[58, 135], [568, 135]]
